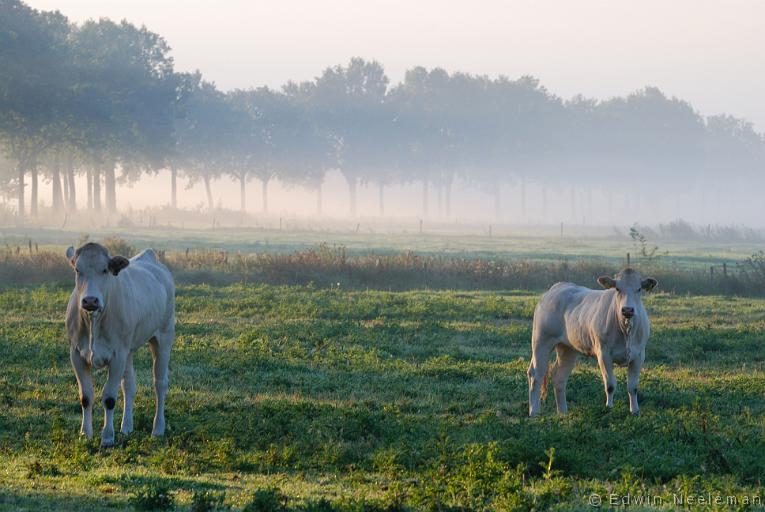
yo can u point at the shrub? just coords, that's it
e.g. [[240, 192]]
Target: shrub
[[267, 500], [155, 496], [207, 501]]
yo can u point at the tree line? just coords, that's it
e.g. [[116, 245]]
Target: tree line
[[102, 100]]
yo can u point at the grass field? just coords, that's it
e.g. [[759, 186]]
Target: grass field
[[323, 399]]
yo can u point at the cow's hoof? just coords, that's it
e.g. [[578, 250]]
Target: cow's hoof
[[107, 443]]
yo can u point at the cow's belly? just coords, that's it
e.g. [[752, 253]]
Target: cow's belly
[[148, 326], [580, 340]]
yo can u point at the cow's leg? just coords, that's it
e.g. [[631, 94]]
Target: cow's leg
[[85, 384], [633, 375], [109, 397], [128, 394], [566, 360], [160, 347], [609, 381], [540, 358]]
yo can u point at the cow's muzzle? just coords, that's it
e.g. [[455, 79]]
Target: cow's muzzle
[[628, 312], [90, 304]]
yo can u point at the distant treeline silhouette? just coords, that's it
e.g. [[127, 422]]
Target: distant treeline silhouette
[[103, 99]]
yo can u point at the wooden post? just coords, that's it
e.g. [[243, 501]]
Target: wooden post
[[711, 274], [628, 259], [725, 270]]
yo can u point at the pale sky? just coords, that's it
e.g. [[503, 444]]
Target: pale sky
[[711, 53]]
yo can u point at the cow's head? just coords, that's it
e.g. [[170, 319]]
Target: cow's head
[[629, 285], [95, 272]]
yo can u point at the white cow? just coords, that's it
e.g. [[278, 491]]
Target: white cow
[[117, 306], [610, 325]]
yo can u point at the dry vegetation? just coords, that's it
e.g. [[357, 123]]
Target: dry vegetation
[[327, 267]]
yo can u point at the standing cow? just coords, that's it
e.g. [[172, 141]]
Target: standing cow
[[117, 306], [610, 325]]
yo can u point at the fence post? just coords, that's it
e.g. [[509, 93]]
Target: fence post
[[725, 270], [628, 259], [711, 274]]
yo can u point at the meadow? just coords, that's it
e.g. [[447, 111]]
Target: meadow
[[311, 398]]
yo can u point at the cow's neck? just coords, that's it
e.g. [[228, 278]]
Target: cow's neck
[[629, 332]]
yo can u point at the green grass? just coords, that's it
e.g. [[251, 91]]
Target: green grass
[[382, 401]]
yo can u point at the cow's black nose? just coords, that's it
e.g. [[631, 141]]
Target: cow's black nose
[[628, 312], [90, 303]]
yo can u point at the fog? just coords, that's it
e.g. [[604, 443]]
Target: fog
[[727, 202], [593, 114]]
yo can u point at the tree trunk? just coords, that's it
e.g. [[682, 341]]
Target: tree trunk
[[425, 198], [65, 183], [440, 198], [71, 198], [174, 187], [209, 192], [264, 192], [57, 193], [352, 189], [243, 192], [89, 176], [110, 184], [448, 196], [33, 198], [96, 189], [381, 199], [21, 169], [318, 200]]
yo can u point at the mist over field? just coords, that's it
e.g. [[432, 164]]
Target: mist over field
[[364, 239]]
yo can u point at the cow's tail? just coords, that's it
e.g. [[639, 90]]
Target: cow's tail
[[546, 379]]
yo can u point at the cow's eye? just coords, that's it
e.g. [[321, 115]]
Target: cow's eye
[[106, 270], [638, 290]]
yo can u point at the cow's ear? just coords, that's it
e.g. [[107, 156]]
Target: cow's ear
[[118, 263], [648, 284], [606, 282], [70, 255]]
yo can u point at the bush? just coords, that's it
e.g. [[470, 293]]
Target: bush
[[207, 501], [153, 497], [267, 500]]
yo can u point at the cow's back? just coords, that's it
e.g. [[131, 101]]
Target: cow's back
[[568, 312], [147, 295]]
